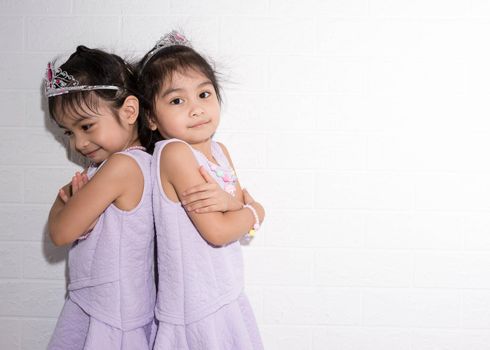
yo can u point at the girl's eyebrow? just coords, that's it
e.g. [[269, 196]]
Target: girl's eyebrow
[[207, 82], [177, 89], [77, 121], [171, 90]]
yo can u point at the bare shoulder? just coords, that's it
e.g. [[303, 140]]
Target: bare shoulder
[[174, 150], [120, 167], [177, 159]]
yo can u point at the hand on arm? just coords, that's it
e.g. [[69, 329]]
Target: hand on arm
[[77, 182], [209, 197], [71, 219], [181, 171]]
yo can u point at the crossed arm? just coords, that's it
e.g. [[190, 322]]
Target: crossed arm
[[180, 171], [78, 201], [75, 212]]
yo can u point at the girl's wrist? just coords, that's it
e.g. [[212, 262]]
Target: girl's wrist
[[256, 225], [258, 209], [234, 204]]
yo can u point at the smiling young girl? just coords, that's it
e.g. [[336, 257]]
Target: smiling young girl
[[106, 212]]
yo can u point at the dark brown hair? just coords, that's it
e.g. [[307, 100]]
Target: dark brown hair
[[97, 67], [157, 70]]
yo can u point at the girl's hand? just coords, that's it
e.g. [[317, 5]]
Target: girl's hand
[[247, 198], [77, 182], [209, 197]]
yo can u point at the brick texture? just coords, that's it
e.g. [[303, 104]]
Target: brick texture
[[362, 125]]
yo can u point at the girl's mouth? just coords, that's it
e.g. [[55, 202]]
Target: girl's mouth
[[91, 154], [200, 124]]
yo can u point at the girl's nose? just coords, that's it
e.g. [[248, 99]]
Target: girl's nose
[[80, 143], [196, 110]]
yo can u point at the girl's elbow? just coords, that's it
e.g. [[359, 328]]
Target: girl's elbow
[[214, 240], [215, 237], [219, 242], [56, 237], [56, 240]]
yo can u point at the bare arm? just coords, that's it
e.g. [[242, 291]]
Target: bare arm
[[209, 197], [180, 170], [67, 222]]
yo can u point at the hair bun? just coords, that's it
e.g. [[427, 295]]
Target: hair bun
[[82, 49]]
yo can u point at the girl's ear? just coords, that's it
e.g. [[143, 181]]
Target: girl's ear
[[151, 124], [130, 109]]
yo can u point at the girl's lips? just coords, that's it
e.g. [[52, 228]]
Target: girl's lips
[[200, 124], [91, 153]]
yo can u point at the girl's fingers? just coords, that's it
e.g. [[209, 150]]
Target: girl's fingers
[[83, 180], [208, 209], [199, 204], [78, 181], [199, 188], [247, 198], [74, 185], [200, 191], [206, 176], [196, 197], [63, 195]]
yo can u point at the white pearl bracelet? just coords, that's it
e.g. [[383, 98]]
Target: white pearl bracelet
[[256, 226]]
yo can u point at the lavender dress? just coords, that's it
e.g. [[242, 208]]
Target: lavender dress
[[200, 299], [111, 294]]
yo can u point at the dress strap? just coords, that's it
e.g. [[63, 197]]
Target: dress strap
[[92, 169], [219, 154]]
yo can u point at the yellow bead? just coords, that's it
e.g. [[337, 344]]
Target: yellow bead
[[251, 233]]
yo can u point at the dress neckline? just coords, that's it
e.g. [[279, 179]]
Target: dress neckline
[[213, 153]]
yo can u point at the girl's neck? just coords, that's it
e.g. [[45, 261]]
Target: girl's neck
[[133, 145], [134, 142], [205, 149]]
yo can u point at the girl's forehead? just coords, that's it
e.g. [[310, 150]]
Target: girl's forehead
[[191, 73], [76, 110], [67, 120], [186, 76]]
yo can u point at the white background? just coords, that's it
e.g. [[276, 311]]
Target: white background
[[362, 125]]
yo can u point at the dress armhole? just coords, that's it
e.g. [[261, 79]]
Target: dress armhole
[[158, 159], [145, 184]]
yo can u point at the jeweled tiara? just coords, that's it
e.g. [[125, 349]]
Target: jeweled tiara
[[174, 38], [58, 82]]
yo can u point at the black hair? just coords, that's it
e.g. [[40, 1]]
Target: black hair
[[97, 67], [155, 69]]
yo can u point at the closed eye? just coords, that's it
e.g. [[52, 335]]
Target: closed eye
[[86, 127]]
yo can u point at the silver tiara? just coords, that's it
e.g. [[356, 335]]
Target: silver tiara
[[174, 38], [58, 82]]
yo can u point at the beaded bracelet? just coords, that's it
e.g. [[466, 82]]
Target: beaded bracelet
[[256, 226]]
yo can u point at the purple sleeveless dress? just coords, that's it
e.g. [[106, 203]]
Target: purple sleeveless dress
[[111, 294], [200, 299]]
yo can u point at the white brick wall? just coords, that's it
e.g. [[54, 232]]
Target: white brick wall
[[362, 125]]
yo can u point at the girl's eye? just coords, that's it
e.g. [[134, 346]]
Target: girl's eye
[[67, 133], [86, 127], [204, 94], [176, 101]]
